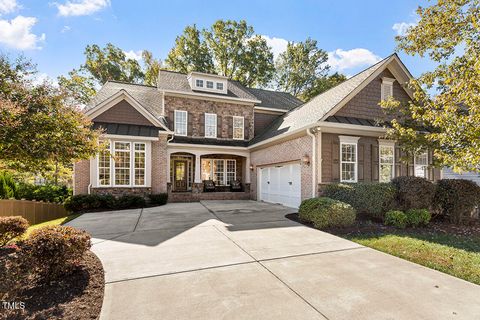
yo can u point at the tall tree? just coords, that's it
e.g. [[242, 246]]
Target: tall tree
[[151, 66], [190, 53], [445, 111], [38, 130], [101, 65], [300, 66], [239, 54], [321, 85]]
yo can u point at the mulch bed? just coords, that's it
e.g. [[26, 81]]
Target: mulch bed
[[365, 226], [76, 296]]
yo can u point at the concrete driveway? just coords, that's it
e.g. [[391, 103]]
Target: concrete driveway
[[244, 260]]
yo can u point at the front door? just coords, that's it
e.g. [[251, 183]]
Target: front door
[[180, 175]]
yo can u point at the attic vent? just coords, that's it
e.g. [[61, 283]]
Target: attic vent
[[387, 88]]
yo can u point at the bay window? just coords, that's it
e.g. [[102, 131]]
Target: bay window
[[420, 162], [122, 164], [221, 171], [348, 159], [386, 161]]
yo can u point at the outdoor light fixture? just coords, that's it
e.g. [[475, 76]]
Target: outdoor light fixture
[[251, 167], [306, 159]]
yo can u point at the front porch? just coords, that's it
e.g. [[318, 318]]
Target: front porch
[[201, 175]]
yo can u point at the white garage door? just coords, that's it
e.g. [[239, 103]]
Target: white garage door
[[281, 184]]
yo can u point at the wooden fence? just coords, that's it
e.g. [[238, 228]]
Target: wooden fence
[[34, 211]]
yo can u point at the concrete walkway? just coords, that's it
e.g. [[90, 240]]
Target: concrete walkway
[[244, 260]]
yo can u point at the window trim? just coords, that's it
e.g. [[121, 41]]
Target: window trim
[[144, 151], [209, 81], [425, 175], [385, 144], [175, 122], [205, 125], [197, 81], [212, 172], [219, 83], [243, 127], [348, 140]]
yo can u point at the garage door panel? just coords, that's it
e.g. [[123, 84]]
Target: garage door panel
[[281, 184]]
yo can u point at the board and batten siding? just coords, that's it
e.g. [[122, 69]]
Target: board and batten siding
[[473, 176]]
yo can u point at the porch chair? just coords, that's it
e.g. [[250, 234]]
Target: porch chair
[[208, 186], [236, 186]]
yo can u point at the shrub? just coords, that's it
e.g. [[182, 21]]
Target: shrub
[[8, 187], [373, 199], [48, 193], [129, 202], [418, 217], [55, 251], [396, 218], [413, 192], [158, 199], [11, 227], [457, 198], [325, 212]]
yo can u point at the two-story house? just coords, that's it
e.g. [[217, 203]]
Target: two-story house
[[198, 127]]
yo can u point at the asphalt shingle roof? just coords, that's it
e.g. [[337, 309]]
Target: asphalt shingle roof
[[317, 108], [275, 99], [148, 96]]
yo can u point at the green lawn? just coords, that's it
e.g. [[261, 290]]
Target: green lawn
[[55, 222], [456, 255]]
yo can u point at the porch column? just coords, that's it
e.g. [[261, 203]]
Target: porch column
[[247, 169], [198, 178]]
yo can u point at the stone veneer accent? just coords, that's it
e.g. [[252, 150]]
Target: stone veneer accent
[[197, 108], [284, 152], [81, 177], [118, 192]]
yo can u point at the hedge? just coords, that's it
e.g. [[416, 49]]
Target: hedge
[[457, 198], [326, 212], [413, 192], [97, 202], [373, 199]]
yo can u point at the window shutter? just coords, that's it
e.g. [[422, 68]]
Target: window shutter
[[398, 162], [230, 127], [375, 163], [171, 120], [431, 169], [335, 161], [361, 161], [219, 126], [411, 166], [189, 124], [202, 125]]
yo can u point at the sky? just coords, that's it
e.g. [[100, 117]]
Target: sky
[[54, 34]]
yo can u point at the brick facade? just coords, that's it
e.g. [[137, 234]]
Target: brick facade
[[197, 108], [123, 112], [364, 105], [81, 178], [288, 151], [159, 165]]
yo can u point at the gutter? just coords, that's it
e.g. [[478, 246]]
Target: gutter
[[313, 162]]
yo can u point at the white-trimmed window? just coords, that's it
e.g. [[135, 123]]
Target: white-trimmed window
[[104, 161], [386, 153], [210, 125], [348, 159], [139, 163], [221, 171], [387, 88], [199, 83], [181, 120], [122, 163], [420, 164], [209, 84], [219, 86], [238, 128]]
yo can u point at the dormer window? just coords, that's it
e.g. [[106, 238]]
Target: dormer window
[[208, 83], [387, 88]]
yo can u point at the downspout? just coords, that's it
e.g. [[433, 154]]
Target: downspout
[[89, 188], [313, 162]]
